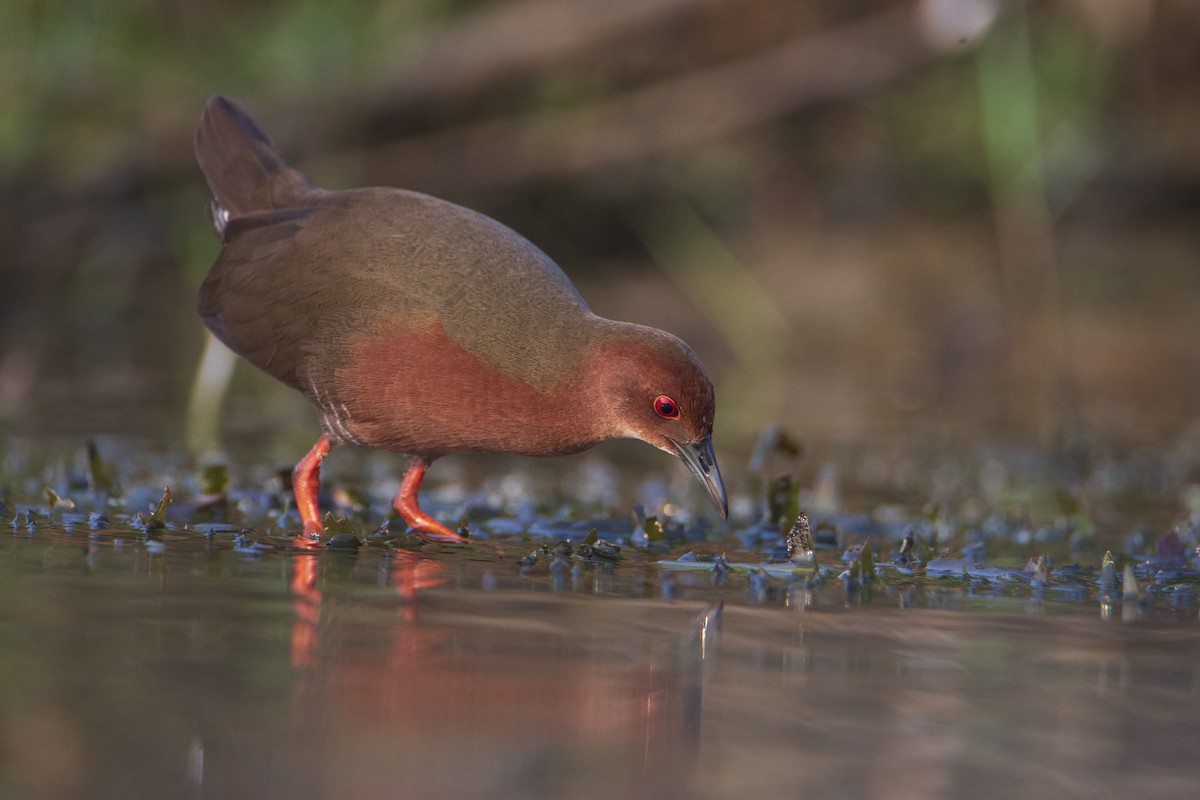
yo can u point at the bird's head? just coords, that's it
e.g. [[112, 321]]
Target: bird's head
[[654, 388]]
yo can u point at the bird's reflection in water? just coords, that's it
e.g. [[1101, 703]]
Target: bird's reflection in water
[[447, 691]]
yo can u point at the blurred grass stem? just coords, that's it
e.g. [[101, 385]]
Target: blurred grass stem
[[209, 386], [1029, 271]]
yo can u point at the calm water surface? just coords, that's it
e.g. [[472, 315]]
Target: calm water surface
[[181, 667]]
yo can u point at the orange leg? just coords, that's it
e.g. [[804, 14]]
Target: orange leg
[[408, 509], [306, 482]]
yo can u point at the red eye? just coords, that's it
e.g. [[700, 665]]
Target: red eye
[[665, 407]]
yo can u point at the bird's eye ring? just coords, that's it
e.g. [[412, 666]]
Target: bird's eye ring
[[665, 407]]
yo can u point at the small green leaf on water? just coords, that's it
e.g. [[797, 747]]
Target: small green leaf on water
[[592, 537], [868, 562], [339, 525], [654, 530], [99, 476], [214, 479], [54, 500], [159, 518]]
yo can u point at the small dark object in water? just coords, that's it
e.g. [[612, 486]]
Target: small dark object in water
[[97, 521], [528, 561], [343, 541], [562, 553], [606, 551], [913, 551], [563, 550], [799, 539]]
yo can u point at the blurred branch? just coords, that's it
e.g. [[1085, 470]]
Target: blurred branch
[[676, 113], [518, 38], [471, 56]]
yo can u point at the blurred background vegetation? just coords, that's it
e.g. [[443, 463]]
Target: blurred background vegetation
[[943, 220]]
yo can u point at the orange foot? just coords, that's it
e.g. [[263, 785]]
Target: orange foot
[[407, 507]]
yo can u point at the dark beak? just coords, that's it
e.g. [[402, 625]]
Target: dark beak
[[703, 464]]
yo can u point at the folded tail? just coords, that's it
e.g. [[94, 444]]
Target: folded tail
[[243, 169]]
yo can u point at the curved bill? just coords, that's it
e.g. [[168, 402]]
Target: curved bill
[[703, 464]]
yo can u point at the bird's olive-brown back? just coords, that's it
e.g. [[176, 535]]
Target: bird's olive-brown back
[[295, 289]]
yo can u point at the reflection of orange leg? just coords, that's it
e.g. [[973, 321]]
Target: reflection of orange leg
[[306, 598], [306, 483], [408, 509], [411, 574], [306, 604]]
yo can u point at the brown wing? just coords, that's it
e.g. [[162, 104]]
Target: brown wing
[[256, 298]]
